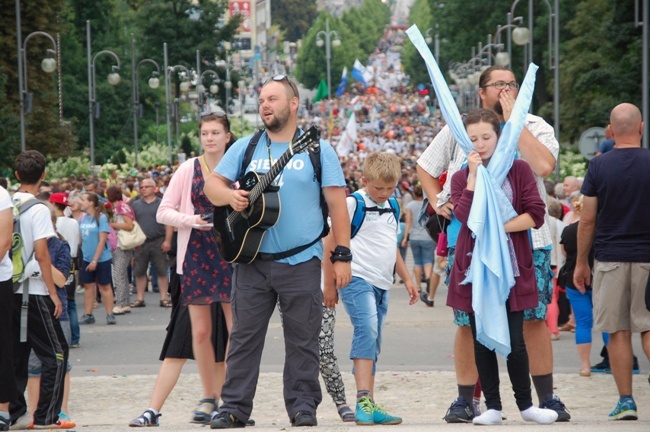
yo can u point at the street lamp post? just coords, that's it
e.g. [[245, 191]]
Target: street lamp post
[[327, 35], [48, 65], [154, 83], [524, 35], [184, 86], [200, 88], [644, 83], [242, 87], [93, 105]]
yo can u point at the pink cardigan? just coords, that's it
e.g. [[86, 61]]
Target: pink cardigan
[[176, 208]]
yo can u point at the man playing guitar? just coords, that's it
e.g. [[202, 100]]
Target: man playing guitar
[[294, 279]]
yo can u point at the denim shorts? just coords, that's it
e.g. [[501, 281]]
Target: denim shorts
[[102, 274], [423, 251], [544, 277], [367, 306]]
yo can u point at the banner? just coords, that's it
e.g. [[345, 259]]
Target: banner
[[344, 82], [349, 137], [321, 92]]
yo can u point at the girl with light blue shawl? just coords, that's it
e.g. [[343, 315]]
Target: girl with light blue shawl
[[493, 206]]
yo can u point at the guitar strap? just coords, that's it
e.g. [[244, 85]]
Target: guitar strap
[[314, 157]]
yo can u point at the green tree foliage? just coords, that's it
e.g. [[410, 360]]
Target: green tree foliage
[[44, 131], [9, 131], [411, 60], [601, 65], [359, 31], [294, 17], [311, 64], [368, 23]]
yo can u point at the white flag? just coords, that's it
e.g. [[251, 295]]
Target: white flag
[[348, 139], [365, 73]]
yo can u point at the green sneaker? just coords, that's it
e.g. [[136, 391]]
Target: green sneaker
[[364, 414], [625, 410], [381, 417]]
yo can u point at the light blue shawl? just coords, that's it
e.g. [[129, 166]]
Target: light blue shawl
[[491, 272]]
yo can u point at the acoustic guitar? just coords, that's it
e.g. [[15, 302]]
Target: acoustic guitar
[[240, 234]]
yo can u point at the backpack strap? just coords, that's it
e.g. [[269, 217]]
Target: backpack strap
[[392, 201], [250, 149], [314, 157], [359, 214], [23, 206], [361, 210]]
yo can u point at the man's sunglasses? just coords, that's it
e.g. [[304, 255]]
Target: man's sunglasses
[[280, 78]]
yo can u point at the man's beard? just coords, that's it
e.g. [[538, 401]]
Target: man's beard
[[278, 122]]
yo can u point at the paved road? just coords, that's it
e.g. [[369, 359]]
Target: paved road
[[415, 338]]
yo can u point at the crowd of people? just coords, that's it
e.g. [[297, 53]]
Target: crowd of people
[[225, 257]]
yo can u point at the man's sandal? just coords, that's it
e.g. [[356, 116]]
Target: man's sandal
[[138, 304], [203, 412], [147, 419]]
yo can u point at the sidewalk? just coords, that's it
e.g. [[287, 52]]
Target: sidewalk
[[108, 403]]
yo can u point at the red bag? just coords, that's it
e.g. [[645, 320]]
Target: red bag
[[441, 248]]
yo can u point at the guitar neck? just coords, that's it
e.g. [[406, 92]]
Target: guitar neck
[[268, 178]]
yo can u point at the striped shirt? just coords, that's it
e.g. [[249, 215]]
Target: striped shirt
[[444, 154]]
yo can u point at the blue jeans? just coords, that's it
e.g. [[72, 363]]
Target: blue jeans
[[74, 321], [423, 251], [367, 306]]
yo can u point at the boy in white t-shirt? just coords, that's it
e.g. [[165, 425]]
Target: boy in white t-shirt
[[7, 380], [44, 333], [374, 256]]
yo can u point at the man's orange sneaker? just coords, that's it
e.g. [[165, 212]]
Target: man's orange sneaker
[[60, 424]]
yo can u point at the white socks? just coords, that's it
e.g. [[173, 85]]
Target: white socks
[[539, 415], [489, 417]]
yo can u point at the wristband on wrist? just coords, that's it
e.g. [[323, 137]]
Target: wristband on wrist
[[341, 253]]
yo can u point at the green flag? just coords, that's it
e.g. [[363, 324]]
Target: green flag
[[321, 93]]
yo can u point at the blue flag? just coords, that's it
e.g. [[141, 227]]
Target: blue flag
[[358, 73], [344, 82]]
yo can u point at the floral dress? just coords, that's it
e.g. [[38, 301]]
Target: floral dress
[[206, 276]]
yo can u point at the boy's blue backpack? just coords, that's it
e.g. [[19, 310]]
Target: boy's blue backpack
[[360, 212]]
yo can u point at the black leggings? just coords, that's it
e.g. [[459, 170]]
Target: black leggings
[[518, 370], [7, 379]]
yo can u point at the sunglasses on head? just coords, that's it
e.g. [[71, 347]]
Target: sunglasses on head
[[216, 113], [280, 78]]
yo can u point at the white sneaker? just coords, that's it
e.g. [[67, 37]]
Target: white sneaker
[[23, 422], [121, 310], [489, 418], [539, 415]]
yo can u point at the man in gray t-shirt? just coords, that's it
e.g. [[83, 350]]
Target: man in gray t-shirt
[[155, 248]]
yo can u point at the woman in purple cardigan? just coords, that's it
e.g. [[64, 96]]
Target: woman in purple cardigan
[[483, 128]]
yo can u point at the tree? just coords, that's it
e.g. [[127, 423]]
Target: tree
[[294, 17], [43, 130], [357, 42], [412, 61], [601, 66], [311, 61]]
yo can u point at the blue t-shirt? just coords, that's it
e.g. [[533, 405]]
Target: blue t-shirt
[[606, 146], [90, 237], [619, 179], [301, 218]]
